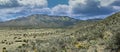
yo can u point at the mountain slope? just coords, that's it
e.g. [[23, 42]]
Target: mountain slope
[[103, 33], [40, 21]]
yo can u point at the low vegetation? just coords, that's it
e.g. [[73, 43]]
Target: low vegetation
[[87, 36]]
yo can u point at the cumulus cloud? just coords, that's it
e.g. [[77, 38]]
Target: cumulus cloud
[[117, 8], [9, 13], [61, 10], [10, 9], [8, 3], [21, 3], [41, 11], [32, 3], [12, 13], [116, 3], [89, 7], [106, 2]]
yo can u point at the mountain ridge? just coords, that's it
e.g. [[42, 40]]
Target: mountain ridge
[[40, 21]]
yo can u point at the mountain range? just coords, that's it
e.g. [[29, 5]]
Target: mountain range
[[40, 21]]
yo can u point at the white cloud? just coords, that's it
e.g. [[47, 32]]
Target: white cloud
[[91, 7], [41, 3], [10, 9], [102, 2], [41, 11], [10, 13], [61, 10], [27, 3], [74, 2], [2, 2], [116, 8], [8, 3], [106, 2]]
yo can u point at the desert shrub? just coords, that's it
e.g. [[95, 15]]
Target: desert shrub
[[25, 40], [4, 49], [18, 41], [81, 45]]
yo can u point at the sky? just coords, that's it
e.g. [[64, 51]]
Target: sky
[[80, 9]]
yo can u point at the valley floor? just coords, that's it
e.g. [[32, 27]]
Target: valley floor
[[21, 40]]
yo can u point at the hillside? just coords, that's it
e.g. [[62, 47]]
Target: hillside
[[101, 35], [40, 21]]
